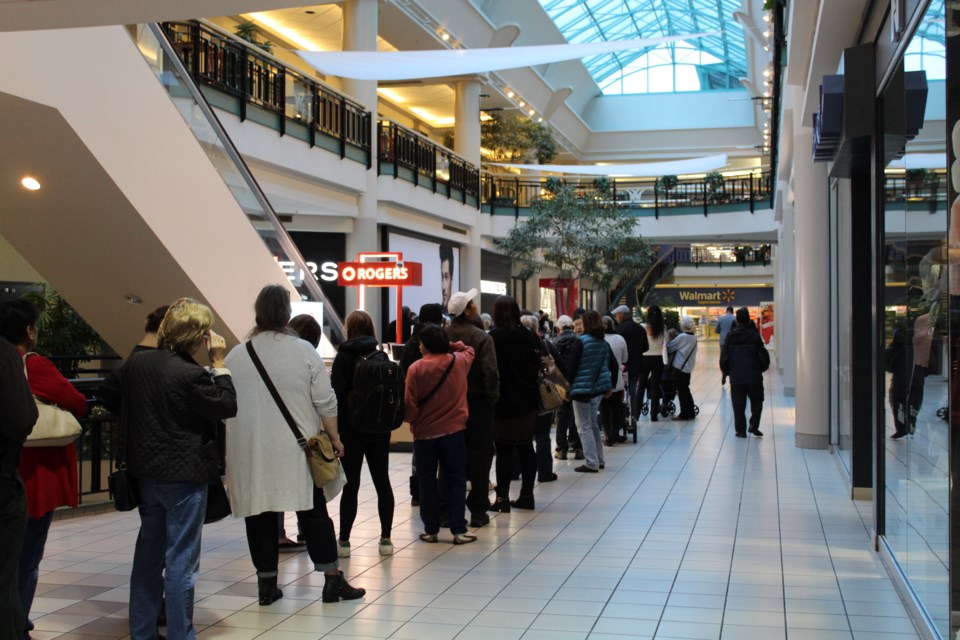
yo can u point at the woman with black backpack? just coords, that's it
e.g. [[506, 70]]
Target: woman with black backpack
[[360, 442]]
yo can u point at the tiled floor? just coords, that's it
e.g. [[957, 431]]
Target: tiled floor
[[691, 533]]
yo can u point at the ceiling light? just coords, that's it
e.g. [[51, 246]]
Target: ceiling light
[[766, 17], [522, 104], [510, 94], [444, 36], [540, 119], [29, 183], [531, 112]]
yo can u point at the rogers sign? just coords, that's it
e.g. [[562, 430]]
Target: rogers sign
[[379, 274]]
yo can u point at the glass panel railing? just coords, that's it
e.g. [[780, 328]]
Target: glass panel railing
[[170, 71]]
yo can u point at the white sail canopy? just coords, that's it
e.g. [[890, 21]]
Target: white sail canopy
[[414, 65]]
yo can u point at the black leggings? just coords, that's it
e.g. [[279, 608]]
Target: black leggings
[[377, 451], [263, 533], [528, 467], [651, 368]]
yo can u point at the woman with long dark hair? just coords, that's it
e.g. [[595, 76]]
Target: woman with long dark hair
[[653, 360], [515, 414], [267, 472], [375, 447]]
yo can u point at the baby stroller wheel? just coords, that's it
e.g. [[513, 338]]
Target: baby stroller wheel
[[942, 413], [668, 409], [696, 410], [645, 409]]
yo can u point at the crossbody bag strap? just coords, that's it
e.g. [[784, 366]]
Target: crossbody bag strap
[[276, 396], [422, 401], [685, 360]]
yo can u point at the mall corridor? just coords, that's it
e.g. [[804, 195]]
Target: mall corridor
[[691, 533]]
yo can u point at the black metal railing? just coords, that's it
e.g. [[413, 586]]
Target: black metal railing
[[252, 76], [427, 163], [504, 194], [931, 188]]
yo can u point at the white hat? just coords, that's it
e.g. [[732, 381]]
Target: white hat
[[621, 309], [459, 301]]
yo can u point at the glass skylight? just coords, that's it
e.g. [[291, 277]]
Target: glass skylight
[[927, 50], [714, 62]]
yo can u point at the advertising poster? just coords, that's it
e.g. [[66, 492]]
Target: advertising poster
[[766, 322], [441, 271]]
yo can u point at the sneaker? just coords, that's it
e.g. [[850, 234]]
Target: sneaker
[[464, 538], [428, 537], [578, 454], [560, 454], [343, 548], [385, 547]]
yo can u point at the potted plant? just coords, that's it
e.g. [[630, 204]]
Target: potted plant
[[666, 183], [714, 182], [247, 30]]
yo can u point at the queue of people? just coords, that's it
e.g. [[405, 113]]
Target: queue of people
[[469, 393]]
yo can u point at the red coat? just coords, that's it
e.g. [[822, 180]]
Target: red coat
[[50, 473]]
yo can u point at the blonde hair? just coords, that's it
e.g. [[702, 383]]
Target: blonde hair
[[184, 326]]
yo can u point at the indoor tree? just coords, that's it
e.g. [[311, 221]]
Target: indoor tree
[[579, 232], [517, 138], [60, 329]]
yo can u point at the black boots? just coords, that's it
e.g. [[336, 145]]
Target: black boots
[[501, 505], [525, 501], [268, 591], [335, 589]]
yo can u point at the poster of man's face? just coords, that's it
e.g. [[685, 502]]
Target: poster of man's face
[[441, 271]]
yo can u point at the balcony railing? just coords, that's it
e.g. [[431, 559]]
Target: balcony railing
[[502, 195], [255, 79], [406, 154]]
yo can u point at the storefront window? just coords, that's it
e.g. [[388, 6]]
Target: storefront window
[[915, 452]]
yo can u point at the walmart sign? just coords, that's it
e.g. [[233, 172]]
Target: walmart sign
[[714, 296]]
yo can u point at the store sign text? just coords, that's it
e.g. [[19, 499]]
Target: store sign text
[[379, 274], [327, 270], [491, 286], [725, 296]]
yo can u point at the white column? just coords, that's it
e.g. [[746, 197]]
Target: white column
[[466, 134], [360, 34], [812, 228], [785, 308], [466, 127]]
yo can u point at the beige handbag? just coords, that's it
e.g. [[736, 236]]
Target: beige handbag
[[55, 427]]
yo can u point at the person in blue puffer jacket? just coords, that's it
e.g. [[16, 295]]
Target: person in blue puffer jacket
[[595, 367]]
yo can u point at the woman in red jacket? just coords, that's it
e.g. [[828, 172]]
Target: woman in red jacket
[[49, 473]]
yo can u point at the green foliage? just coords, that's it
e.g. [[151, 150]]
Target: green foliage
[[671, 315], [715, 186], [248, 31], [581, 233], [60, 329], [665, 183], [516, 138], [671, 318], [769, 4]]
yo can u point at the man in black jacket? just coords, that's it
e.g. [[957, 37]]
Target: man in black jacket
[[744, 358], [567, 437], [637, 345], [18, 413]]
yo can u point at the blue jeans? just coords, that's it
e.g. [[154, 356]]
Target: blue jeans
[[450, 453], [31, 553], [171, 519], [585, 414]]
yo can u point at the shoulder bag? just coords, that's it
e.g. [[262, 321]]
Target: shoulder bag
[[55, 427], [323, 463], [551, 394], [123, 486]]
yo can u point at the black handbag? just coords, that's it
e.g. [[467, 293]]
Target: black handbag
[[123, 486], [218, 504]]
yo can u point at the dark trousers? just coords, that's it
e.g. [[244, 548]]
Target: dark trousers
[[376, 449], [684, 395], [544, 452], [651, 369], [263, 537], [635, 394], [611, 415], [31, 553], [479, 452], [13, 518], [738, 396], [567, 437], [528, 467], [449, 453]]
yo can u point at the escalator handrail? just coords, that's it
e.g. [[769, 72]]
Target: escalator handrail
[[283, 238]]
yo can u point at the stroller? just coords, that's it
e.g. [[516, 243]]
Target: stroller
[[668, 393]]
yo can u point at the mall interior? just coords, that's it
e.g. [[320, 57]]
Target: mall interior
[[796, 158]]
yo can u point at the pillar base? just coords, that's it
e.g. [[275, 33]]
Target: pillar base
[[812, 441]]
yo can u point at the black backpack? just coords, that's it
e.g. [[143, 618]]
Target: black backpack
[[376, 395]]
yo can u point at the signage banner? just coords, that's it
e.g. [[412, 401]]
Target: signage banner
[[713, 296], [565, 291], [379, 274]]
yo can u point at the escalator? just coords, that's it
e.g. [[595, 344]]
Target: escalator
[[135, 208], [634, 290]]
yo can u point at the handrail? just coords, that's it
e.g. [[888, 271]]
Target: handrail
[[515, 194], [256, 78], [275, 236], [657, 265], [403, 147]]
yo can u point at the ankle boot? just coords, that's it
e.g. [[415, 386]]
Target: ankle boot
[[525, 501], [268, 591], [335, 588], [502, 505]]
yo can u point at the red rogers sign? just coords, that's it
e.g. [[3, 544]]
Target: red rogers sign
[[379, 274]]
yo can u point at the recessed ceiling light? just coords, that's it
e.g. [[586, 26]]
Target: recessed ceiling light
[[30, 183], [309, 12], [510, 94], [444, 36]]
